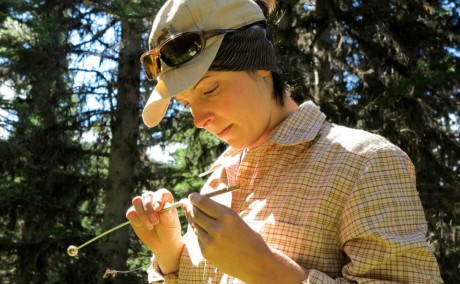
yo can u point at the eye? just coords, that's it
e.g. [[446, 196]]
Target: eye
[[210, 92]]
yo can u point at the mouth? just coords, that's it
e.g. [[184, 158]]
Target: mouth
[[223, 132]]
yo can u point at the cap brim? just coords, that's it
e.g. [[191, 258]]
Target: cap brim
[[156, 106], [173, 81]]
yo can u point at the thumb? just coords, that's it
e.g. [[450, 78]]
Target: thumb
[[169, 218]]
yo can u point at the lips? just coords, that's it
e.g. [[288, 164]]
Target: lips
[[223, 132]]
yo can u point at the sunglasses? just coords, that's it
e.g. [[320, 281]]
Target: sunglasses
[[181, 48]]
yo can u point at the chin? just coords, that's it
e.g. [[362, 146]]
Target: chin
[[236, 144], [242, 145]]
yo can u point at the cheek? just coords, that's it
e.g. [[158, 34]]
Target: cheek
[[226, 105], [227, 108]]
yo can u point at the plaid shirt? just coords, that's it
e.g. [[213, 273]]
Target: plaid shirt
[[339, 201]]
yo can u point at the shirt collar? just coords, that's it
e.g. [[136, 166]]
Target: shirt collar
[[303, 125]]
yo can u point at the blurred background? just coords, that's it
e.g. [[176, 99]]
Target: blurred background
[[74, 151]]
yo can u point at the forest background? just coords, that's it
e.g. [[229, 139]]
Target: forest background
[[74, 151]]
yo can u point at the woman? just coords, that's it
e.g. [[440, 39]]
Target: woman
[[318, 203]]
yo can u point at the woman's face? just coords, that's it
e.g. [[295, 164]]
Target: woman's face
[[237, 107]]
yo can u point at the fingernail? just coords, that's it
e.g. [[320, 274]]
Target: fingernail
[[149, 226], [156, 206], [153, 220]]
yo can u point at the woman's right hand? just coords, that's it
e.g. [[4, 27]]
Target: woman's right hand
[[161, 232]]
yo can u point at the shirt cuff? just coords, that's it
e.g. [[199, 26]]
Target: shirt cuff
[[154, 274], [317, 277]]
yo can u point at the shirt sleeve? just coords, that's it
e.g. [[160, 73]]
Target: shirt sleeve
[[192, 266], [154, 274], [383, 227], [317, 277]]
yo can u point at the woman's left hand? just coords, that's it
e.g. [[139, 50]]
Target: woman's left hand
[[236, 249]]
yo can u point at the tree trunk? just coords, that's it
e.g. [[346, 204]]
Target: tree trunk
[[124, 154], [41, 141], [322, 59]]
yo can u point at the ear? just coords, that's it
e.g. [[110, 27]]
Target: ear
[[263, 73]]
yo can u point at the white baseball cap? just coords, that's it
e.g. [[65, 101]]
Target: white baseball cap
[[178, 16]]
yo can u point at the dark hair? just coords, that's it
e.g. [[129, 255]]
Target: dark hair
[[281, 89], [267, 6]]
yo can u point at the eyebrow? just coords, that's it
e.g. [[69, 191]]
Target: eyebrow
[[199, 81], [194, 86]]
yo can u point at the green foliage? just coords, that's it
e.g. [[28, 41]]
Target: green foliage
[[390, 67], [46, 174]]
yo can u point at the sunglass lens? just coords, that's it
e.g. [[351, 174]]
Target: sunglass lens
[[150, 63], [181, 49]]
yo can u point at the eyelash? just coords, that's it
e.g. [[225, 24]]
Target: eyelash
[[211, 91], [187, 105]]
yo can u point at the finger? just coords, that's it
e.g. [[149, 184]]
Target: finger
[[203, 236], [131, 215], [209, 206], [189, 212], [198, 218], [141, 213], [162, 197], [187, 208], [147, 200]]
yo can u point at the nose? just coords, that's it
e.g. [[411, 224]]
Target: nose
[[202, 117]]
